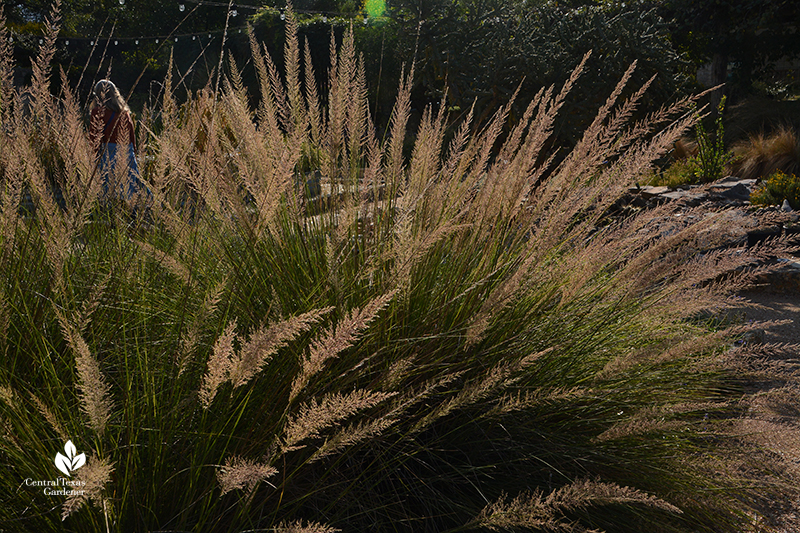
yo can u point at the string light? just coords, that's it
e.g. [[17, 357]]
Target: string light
[[234, 12], [136, 41], [325, 14]]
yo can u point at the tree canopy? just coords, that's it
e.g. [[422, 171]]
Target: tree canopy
[[471, 50], [751, 33], [129, 18]]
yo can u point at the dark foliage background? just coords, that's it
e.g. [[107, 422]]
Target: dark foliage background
[[473, 51]]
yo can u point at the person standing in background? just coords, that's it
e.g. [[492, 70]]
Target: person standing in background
[[111, 132]]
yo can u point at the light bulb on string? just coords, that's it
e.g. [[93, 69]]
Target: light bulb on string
[[136, 41], [66, 43], [176, 39], [366, 19], [122, 2], [41, 41], [91, 43], [156, 41], [116, 42], [234, 11], [324, 18], [194, 37], [182, 7]]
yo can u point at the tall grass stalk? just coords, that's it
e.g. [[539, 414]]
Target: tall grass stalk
[[455, 338]]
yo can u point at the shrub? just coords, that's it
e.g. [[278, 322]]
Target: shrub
[[711, 158], [678, 167], [777, 188], [448, 331], [680, 172], [702, 161]]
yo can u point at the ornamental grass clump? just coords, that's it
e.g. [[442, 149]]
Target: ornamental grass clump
[[761, 155], [452, 339]]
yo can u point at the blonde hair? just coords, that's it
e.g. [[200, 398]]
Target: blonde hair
[[106, 94]]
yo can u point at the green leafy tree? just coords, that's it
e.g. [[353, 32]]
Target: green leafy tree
[[480, 51], [105, 41], [752, 34], [130, 18]]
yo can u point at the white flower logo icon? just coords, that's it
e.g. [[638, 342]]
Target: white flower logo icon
[[71, 461]]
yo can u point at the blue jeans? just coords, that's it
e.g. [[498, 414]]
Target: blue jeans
[[108, 161]]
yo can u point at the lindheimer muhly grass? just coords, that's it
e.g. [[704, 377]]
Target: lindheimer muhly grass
[[456, 338]]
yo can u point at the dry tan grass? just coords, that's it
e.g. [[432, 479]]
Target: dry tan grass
[[544, 511], [239, 473], [239, 366], [762, 154], [96, 401], [337, 339], [94, 475], [684, 148]]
